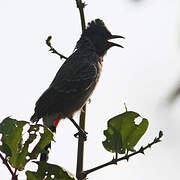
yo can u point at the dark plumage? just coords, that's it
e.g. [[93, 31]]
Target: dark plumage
[[77, 77]]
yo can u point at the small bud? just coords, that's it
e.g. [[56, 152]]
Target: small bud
[[141, 150], [149, 145], [160, 134], [155, 139], [48, 40], [127, 158]]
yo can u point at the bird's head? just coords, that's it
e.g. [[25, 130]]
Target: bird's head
[[98, 33]]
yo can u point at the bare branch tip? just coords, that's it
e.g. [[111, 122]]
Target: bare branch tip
[[160, 134], [84, 4], [125, 107], [48, 40]]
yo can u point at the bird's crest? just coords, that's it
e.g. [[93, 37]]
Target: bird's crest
[[95, 37], [96, 23], [96, 26]]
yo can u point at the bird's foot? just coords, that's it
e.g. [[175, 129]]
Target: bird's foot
[[82, 134]]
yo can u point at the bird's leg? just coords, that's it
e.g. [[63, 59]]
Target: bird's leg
[[81, 132]]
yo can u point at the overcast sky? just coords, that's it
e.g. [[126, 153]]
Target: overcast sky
[[142, 75]]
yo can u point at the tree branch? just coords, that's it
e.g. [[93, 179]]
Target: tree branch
[[80, 153], [81, 5], [52, 50], [82, 120], [5, 162], [126, 157]]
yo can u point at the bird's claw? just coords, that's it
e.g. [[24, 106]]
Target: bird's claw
[[82, 134]]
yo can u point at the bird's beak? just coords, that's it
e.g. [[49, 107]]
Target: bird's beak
[[114, 44]]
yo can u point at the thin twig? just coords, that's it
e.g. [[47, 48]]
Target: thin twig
[[126, 157], [81, 5], [5, 162], [48, 42], [15, 171], [125, 106]]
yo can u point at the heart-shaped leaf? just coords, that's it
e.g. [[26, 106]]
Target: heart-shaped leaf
[[123, 133]]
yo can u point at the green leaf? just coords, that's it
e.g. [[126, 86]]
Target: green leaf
[[12, 138], [13, 145], [49, 172], [45, 139], [123, 133], [6, 127]]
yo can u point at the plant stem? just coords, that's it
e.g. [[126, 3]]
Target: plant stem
[[126, 157], [82, 120], [7, 165], [80, 6], [80, 153], [52, 49]]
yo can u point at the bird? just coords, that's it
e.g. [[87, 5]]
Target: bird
[[76, 79]]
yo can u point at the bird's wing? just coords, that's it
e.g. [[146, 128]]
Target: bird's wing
[[79, 80], [63, 89]]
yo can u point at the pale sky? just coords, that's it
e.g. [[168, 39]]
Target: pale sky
[[142, 75]]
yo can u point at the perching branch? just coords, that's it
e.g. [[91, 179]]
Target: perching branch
[[82, 120], [80, 155], [80, 152], [48, 42], [126, 157], [5, 162]]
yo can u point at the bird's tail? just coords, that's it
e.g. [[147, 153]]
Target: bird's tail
[[52, 125], [34, 118], [45, 155]]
